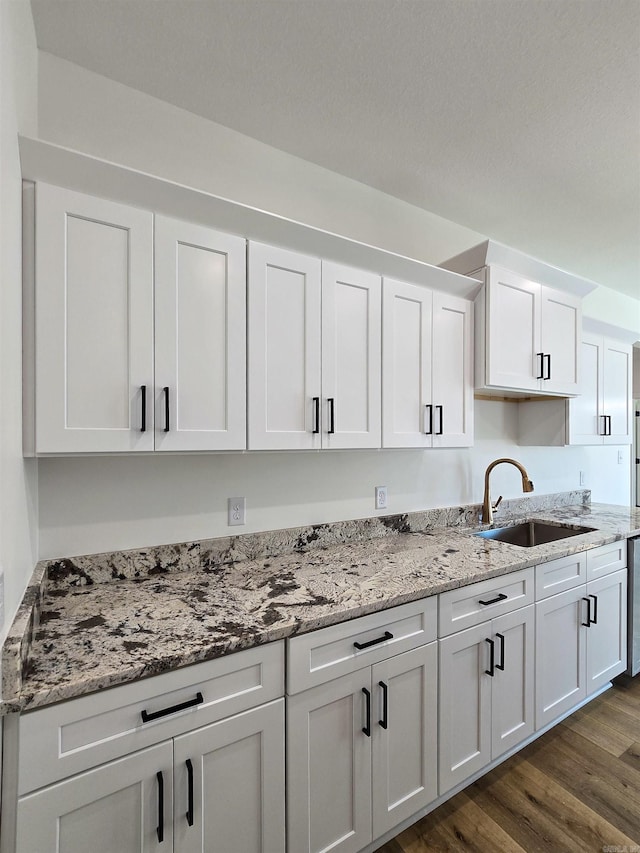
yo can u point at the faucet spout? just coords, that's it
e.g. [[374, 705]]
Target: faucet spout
[[487, 507]]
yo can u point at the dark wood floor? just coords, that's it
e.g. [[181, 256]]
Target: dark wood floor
[[577, 788]]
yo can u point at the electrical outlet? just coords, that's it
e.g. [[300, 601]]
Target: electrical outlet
[[582, 478], [236, 511], [381, 497], [620, 457]]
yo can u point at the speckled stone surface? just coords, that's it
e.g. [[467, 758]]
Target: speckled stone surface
[[95, 635]]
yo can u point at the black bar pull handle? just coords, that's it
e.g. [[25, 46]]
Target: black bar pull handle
[[367, 728], [587, 624], [429, 410], [155, 715], [143, 398], [384, 722], [500, 597], [604, 425], [548, 357], [386, 636], [594, 620], [189, 814], [316, 415], [441, 421], [540, 355], [166, 408], [492, 662], [609, 422], [332, 415], [500, 665], [160, 828]]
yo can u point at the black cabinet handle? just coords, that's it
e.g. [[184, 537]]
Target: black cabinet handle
[[429, 409], [492, 651], [155, 715], [587, 624], [500, 597], [367, 729], [386, 636], [316, 415], [189, 814], [540, 355], [548, 357], [166, 408], [160, 829], [500, 665], [143, 397], [441, 422], [609, 423], [604, 425], [594, 620], [332, 415], [385, 705]]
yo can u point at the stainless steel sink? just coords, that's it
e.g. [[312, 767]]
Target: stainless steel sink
[[530, 533]]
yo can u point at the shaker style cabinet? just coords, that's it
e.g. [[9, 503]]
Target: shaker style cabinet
[[426, 369], [113, 372], [314, 353]]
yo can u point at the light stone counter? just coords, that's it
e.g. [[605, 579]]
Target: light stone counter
[[94, 622]]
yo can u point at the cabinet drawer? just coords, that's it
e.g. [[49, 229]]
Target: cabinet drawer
[[72, 736], [559, 575], [323, 655], [469, 605], [606, 559]]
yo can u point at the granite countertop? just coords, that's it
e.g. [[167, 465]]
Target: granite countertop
[[98, 624]]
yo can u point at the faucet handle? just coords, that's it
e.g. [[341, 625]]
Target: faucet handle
[[497, 503]]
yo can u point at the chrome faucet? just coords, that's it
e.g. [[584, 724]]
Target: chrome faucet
[[487, 507]]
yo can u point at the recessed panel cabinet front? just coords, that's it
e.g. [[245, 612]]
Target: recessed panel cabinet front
[[93, 324]]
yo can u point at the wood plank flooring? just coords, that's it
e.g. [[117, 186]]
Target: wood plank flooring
[[577, 788]]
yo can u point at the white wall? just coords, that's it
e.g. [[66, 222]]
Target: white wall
[[18, 481], [111, 503]]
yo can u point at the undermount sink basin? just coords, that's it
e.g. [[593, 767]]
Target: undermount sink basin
[[530, 533]]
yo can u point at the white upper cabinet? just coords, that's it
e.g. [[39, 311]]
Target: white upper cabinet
[[314, 353], [602, 414], [200, 338], [426, 374], [93, 325]]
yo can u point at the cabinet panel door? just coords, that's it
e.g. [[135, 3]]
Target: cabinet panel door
[[607, 637], [616, 391], [94, 324], [112, 809], [405, 745], [560, 678], [513, 331], [452, 371], [585, 424], [561, 330], [465, 705], [200, 337], [284, 323], [351, 366], [407, 411], [512, 705], [329, 767], [237, 772]]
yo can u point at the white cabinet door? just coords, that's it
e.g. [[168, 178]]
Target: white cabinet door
[[464, 705], [617, 402], [607, 631], [561, 330], [229, 785], [121, 807], [512, 331], [407, 410], [200, 338], [452, 377], [405, 746], [585, 424], [351, 357], [560, 654], [94, 324], [329, 766], [284, 323], [512, 694]]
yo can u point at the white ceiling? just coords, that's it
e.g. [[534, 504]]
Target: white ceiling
[[519, 119]]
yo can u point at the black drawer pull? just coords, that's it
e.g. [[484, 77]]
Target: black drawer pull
[[387, 636], [604, 425], [548, 357], [160, 828], [492, 647], [608, 417], [316, 415], [166, 408], [332, 415], [500, 665], [143, 394], [441, 427], [429, 409], [155, 715], [367, 728], [500, 597], [595, 609], [385, 705], [587, 624], [189, 814], [540, 355]]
